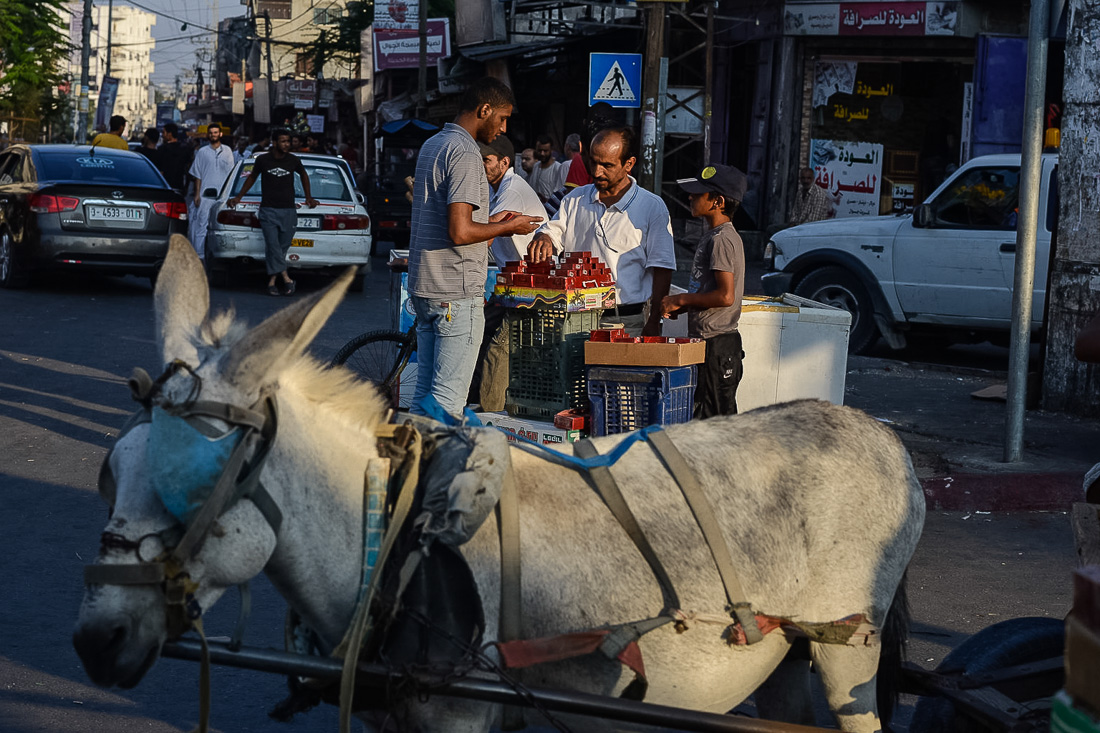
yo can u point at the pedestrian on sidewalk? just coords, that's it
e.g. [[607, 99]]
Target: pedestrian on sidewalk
[[547, 175], [507, 192], [212, 165], [713, 300], [174, 158], [278, 213], [149, 146], [448, 246], [113, 138]]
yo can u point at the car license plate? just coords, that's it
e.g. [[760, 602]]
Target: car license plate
[[116, 213], [309, 222], [301, 243]]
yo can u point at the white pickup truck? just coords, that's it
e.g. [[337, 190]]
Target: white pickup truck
[[947, 266]]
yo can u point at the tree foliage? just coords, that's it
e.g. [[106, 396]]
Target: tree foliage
[[32, 45], [341, 41]]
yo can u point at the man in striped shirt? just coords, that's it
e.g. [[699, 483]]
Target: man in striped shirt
[[449, 246]]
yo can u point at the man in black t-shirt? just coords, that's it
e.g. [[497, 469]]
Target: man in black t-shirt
[[174, 158], [278, 213]]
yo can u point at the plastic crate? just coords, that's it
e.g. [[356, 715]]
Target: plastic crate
[[630, 398], [546, 361]]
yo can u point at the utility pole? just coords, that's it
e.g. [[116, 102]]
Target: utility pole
[[1031, 170], [110, 24], [1073, 293], [267, 33], [422, 84], [85, 57], [708, 84], [651, 95]]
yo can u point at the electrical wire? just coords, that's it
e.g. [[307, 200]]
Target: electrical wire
[[172, 17]]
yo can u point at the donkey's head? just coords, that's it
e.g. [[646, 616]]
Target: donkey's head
[[190, 516]]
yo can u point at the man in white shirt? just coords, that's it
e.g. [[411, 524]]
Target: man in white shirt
[[624, 225], [211, 167], [547, 175], [507, 192], [526, 163]]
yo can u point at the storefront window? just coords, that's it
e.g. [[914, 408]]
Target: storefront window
[[911, 112]]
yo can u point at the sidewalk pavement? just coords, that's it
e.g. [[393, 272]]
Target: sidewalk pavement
[[957, 441]]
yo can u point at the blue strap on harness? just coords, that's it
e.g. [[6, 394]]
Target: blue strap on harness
[[605, 460]]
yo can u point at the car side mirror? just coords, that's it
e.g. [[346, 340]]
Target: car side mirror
[[210, 193], [361, 198], [923, 216]]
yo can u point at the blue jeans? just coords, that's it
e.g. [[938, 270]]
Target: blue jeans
[[448, 336]]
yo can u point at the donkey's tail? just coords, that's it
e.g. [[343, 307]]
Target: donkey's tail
[[895, 637]]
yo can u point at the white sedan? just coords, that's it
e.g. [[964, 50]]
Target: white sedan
[[330, 237]]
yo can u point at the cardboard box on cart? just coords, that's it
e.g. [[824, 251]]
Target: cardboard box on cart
[[543, 433]]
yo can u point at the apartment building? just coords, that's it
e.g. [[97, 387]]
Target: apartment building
[[293, 24], [131, 44]]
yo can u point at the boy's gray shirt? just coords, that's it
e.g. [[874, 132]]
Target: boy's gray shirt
[[449, 170]]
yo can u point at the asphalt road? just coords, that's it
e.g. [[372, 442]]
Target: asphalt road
[[66, 349]]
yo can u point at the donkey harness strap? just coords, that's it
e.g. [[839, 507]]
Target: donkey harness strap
[[697, 501], [673, 460], [608, 490], [511, 599]]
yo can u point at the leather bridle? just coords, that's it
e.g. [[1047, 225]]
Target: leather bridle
[[239, 479]]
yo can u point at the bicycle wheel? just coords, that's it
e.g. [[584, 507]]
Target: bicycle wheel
[[379, 357]]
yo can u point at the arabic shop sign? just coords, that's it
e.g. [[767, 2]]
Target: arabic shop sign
[[399, 48], [871, 19], [851, 173]]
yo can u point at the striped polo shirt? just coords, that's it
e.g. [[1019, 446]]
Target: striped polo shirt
[[449, 170]]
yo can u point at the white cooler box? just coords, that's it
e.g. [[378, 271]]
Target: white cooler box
[[794, 349]]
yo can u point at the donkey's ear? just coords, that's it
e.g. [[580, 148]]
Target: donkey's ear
[[257, 359], [181, 301]]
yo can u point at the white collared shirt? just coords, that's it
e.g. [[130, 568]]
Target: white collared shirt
[[212, 166], [513, 194], [632, 236]]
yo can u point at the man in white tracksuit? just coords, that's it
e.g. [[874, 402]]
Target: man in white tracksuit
[[213, 164]]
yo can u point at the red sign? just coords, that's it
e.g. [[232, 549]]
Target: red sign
[[879, 19], [399, 48]]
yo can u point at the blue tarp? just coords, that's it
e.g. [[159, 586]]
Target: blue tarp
[[407, 126]]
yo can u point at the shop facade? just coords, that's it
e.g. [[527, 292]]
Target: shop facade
[[882, 100]]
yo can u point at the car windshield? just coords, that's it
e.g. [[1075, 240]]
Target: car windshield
[[79, 165], [325, 182]]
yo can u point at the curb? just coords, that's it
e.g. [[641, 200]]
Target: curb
[[1006, 492]]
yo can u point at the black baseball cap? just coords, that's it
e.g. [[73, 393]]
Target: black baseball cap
[[501, 147], [724, 180]]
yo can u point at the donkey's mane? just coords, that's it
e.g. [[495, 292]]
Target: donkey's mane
[[335, 389]]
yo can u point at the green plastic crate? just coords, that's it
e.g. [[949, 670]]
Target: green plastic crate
[[546, 361]]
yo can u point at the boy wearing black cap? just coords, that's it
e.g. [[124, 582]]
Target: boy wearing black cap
[[713, 300]]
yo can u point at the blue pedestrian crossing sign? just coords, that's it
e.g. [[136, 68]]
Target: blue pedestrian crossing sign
[[615, 78]]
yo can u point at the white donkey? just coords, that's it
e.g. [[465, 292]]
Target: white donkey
[[819, 506]]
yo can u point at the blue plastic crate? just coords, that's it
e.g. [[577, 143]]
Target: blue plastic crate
[[630, 398]]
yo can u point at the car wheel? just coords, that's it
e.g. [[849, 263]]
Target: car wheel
[[839, 288], [11, 274]]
